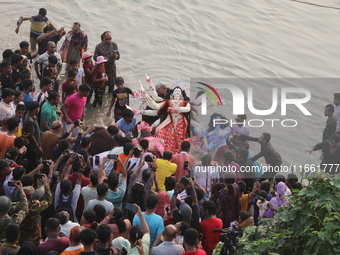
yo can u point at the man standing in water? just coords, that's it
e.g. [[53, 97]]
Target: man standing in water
[[331, 154], [330, 123], [337, 111], [38, 23], [73, 108], [109, 50], [74, 46], [273, 159]]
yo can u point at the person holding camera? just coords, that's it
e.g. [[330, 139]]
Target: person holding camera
[[139, 238], [181, 159], [29, 228], [133, 159], [65, 198], [116, 189]]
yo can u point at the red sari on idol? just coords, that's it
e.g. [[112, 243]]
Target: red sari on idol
[[174, 128]]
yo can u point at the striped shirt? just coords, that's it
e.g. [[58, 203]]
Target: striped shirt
[[179, 160], [37, 25]]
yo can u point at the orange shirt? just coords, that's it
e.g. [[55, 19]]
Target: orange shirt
[[5, 142], [75, 250], [244, 202], [123, 157]]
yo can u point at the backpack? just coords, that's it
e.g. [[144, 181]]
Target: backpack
[[65, 206]]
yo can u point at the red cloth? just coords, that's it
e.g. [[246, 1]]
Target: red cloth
[[163, 199], [58, 245], [169, 221], [67, 82], [98, 73], [197, 252], [84, 182], [88, 77], [210, 239], [179, 159]]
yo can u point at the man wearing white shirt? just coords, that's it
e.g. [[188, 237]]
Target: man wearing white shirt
[[43, 60], [6, 108], [65, 224], [337, 111]]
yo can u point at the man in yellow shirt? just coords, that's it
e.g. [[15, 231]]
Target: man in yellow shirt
[[164, 169]]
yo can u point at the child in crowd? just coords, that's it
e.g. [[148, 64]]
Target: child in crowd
[[25, 74], [19, 115], [262, 203], [27, 92], [24, 51], [18, 98], [71, 80], [99, 78], [25, 64], [45, 87], [70, 90], [88, 70], [51, 72], [127, 123], [80, 76], [122, 96]]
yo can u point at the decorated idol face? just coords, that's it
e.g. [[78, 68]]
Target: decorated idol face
[[177, 93]]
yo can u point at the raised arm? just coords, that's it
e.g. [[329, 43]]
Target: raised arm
[[37, 169], [193, 192], [43, 36], [140, 165], [173, 205], [145, 226], [101, 173], [19, 22], [67, 168], [122, 166]]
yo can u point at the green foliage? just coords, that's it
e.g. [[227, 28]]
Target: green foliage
[[310, 225]]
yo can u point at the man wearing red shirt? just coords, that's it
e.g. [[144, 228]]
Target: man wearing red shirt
[[84, 182], [180, 158], [54, 242], [210, 239], [190, 240]]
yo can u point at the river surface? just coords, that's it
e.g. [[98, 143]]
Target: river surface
[[209, 39]]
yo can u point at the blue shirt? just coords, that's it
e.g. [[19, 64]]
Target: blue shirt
[[127, 128], [8, 190], [116, 197], [27, 98], [155, 223]]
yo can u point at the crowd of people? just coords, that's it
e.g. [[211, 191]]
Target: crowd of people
[[70, 188]]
